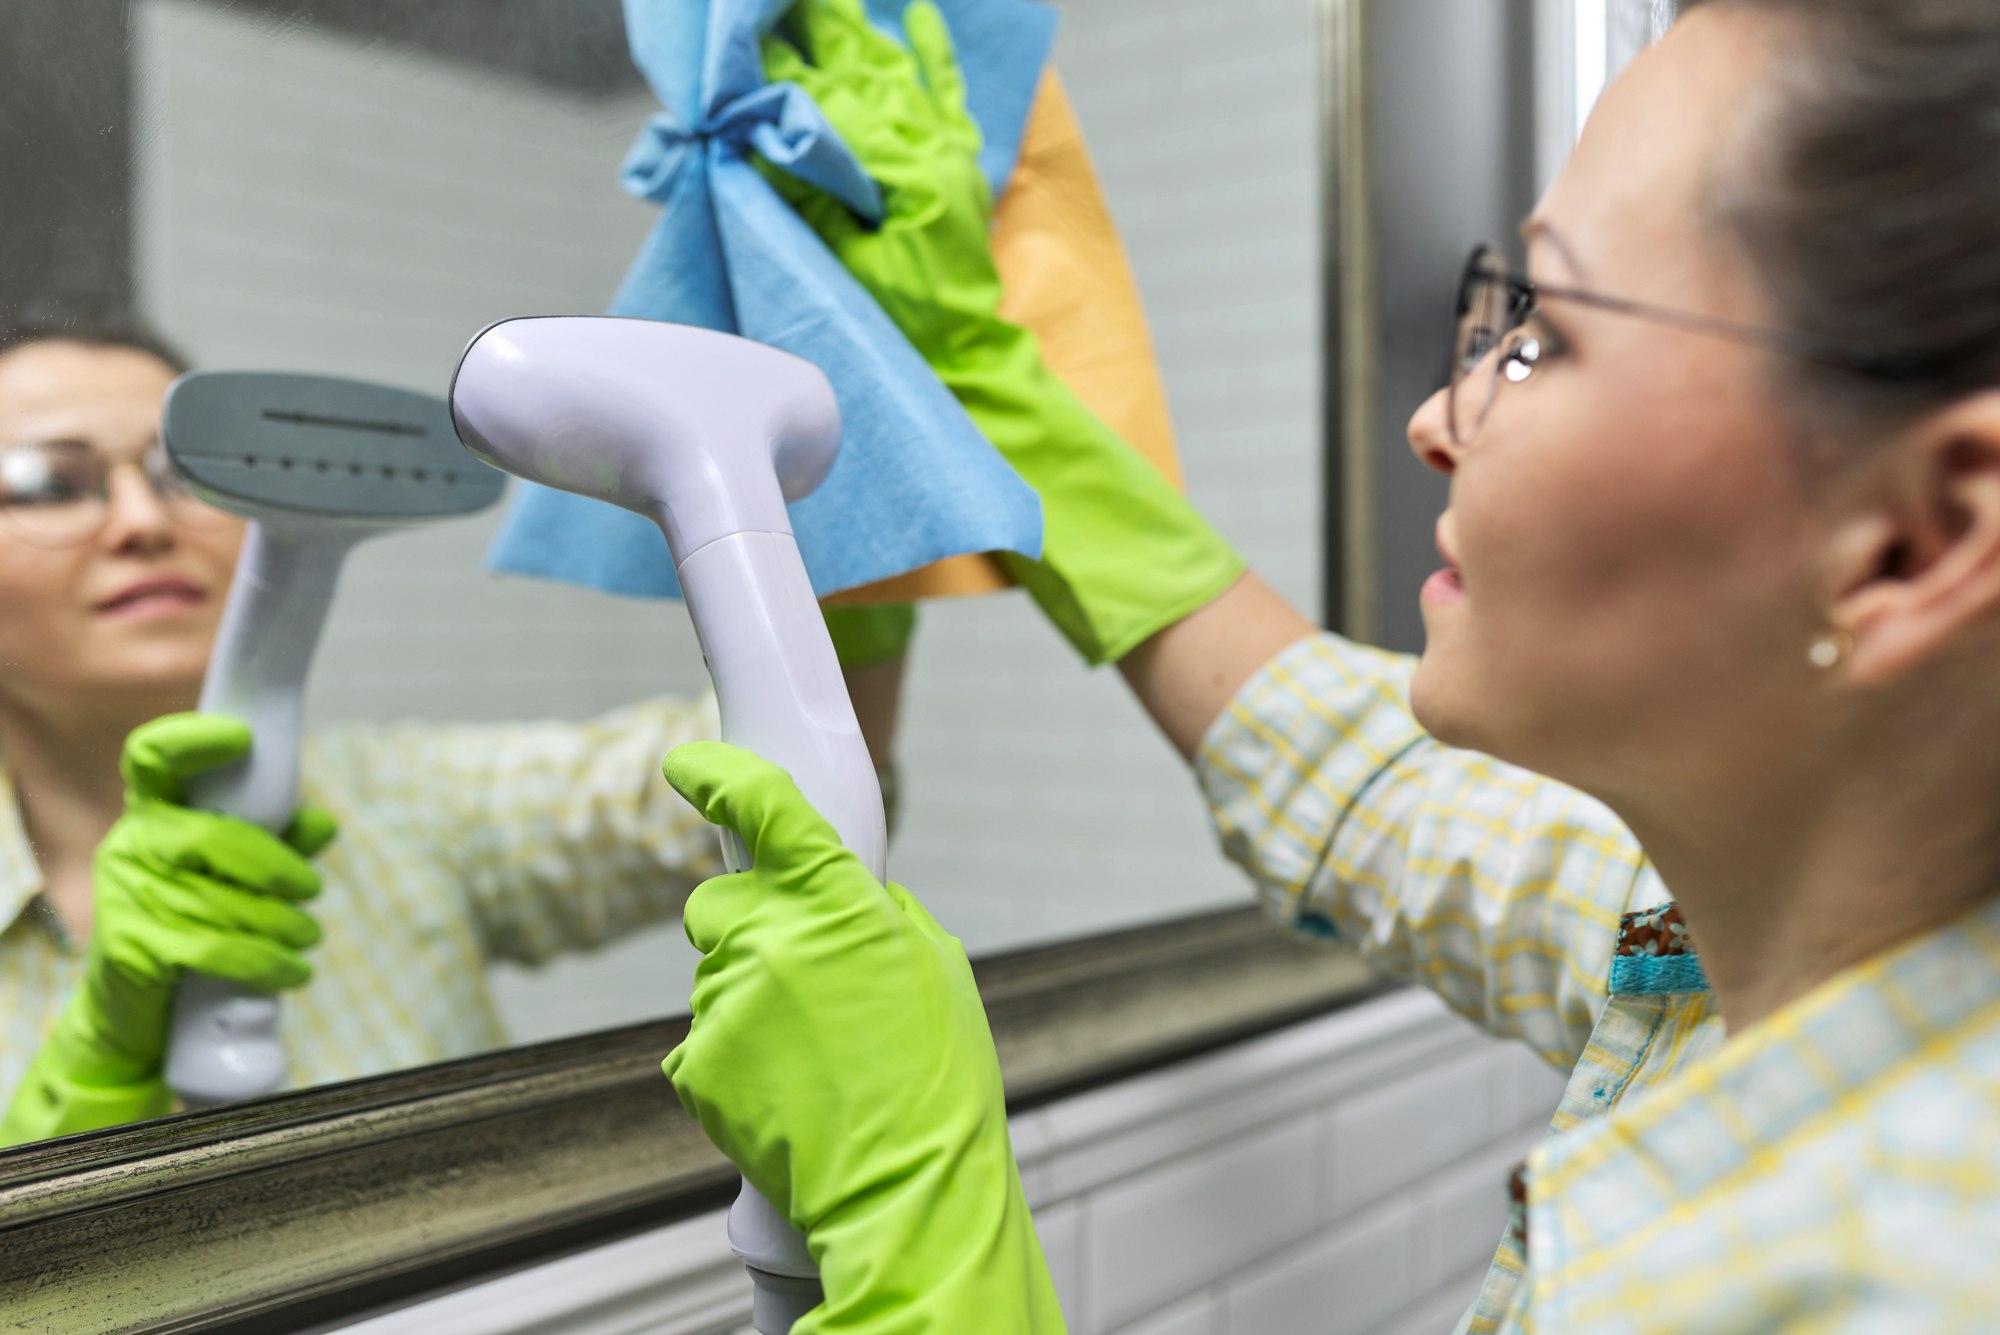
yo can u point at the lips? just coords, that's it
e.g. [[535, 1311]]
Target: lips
[[1446, 586], [163, 593]]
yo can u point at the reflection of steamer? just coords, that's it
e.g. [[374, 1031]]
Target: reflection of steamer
[[707, 435], [318, 463]]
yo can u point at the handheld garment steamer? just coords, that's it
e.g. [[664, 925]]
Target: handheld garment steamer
[[317, 463], [708, 435]]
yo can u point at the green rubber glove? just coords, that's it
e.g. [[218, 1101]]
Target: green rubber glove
[[872, 634], [1123, 553], [840, 1057], [176, 889]]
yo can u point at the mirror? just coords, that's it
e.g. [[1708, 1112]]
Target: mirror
[[354, 187]]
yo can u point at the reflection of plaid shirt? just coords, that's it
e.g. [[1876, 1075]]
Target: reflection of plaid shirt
[[458, 845], [1836, 1167]]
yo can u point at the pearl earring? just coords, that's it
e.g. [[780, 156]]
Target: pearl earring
[[1831, 650]]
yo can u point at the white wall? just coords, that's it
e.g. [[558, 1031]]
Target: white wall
[[309, 202], [1343, 1177]]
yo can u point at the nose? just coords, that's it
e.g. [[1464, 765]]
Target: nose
[[135, 514], [1430, 435]]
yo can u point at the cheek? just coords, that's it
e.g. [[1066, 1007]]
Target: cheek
[[1629, 495], [1626, 574], [1586, 532], [216, 546], [40, 603]]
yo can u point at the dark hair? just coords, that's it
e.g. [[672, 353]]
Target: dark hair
[[94, 323], [1868, 195]]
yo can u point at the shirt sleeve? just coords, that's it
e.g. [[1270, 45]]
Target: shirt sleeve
[[561, 836], [1496, 888]]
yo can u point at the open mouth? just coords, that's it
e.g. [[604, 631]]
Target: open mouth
[[1448, 584], [1443, 587]]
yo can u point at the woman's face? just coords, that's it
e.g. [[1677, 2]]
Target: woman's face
[[127, 613], [1631, 532]]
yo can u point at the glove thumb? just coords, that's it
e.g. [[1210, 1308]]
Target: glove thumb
[[161, 755]]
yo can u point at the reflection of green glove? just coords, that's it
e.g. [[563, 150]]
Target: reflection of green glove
[[839, 1055], [176, 889], [867, 635], [1123, 553]]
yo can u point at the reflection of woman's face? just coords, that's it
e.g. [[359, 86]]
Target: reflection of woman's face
[[131, 609], [1634, 538]]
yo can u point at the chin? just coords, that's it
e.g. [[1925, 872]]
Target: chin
[[1433, 702], [172, 679]]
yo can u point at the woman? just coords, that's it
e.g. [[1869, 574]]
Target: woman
[[457, 844], [1722, 563]]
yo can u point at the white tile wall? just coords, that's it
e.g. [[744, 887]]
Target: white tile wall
[[1459, 1213], [1384, 1139], [1409, 1257], [1441, 1311], [1061, 1231], [1340, 1284], [1191, 1222], [305, 200], [1200, 1216], [1203, 1316]]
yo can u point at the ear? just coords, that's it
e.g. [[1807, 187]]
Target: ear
[[1924, 566]]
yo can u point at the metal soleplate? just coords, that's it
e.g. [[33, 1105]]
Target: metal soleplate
[[322, 445]]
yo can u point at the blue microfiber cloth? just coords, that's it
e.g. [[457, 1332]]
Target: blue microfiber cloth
[[915, 481]]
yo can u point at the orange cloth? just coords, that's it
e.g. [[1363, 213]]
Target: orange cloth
[[1064, 277]]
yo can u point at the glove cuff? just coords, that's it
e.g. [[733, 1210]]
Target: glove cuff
[[1124, 553], [936, 1254], [52, 1101]]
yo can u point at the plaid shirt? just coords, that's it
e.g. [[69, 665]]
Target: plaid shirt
[[458, 845], [1834, 1168]]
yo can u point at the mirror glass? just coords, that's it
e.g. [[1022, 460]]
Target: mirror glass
[[355, 187]]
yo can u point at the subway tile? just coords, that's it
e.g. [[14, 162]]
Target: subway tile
[[1390, 1137], [1169, 1232], [1061, 1233], [1439, 1311], [1344, 1282], [1199, 1316], [1107, 1134], [1461, 1213], [1029, 1132]]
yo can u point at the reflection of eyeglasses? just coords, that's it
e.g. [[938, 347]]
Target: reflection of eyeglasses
[[57, 493], [1492, 343]]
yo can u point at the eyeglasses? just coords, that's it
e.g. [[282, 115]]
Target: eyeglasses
[[58, 493], [1492, 343]]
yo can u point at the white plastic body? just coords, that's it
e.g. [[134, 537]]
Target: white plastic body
[[706, 434], [223, 1045], [781, 694], [778, 682]]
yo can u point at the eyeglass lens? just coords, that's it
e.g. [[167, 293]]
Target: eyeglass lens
[[1489, 309], [57, 493]]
